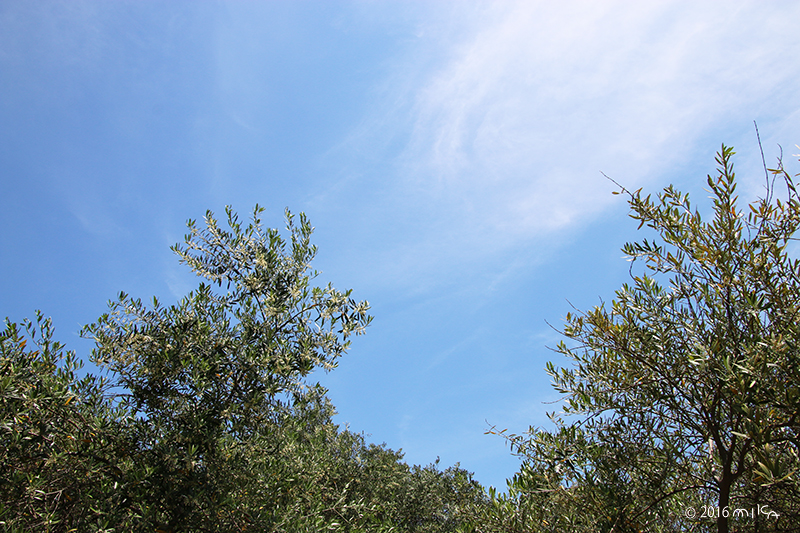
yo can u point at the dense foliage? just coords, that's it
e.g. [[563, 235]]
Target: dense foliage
[[682, 407], [61, 459], [205, 422]]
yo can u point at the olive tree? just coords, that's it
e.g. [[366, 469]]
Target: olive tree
[[307, 474], [62, 462], [202, 378], [683, 395]]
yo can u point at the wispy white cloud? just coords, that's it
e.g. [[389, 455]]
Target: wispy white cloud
[[532, 106], [508, 112]]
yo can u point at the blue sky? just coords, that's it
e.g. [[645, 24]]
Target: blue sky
[[449, 155]]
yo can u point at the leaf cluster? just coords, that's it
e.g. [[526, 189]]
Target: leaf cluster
[[205, 421], [684, 391]]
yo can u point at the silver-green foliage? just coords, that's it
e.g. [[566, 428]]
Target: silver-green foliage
[[206, 421], [207, 375], [684, 392]]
